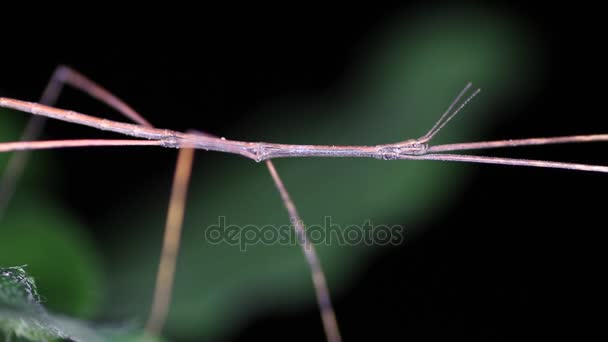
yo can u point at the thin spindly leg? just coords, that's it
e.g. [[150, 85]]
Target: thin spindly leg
[[171, 241], [32, 131], [163, 288], [328, 315], [61, 76], [166, 271], [170, 248]]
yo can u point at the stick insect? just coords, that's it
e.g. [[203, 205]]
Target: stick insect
[[188, 142]]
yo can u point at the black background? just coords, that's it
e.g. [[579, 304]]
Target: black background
[[517, 255]]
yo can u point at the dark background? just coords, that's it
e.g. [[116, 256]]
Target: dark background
[[515, 255]]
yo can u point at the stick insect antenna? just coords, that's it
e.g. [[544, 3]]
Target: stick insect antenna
[[449, 114]]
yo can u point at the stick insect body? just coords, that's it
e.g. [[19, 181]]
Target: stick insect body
[[260, 151], [411, 149]]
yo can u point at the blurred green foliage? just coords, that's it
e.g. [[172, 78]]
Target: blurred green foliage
[[54, 246], [405, 79]]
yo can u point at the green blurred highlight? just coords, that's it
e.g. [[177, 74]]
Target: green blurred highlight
[[58, 253]]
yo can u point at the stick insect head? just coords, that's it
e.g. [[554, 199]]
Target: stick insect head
[[450, 112]]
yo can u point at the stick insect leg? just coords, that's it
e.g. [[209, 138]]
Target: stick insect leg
[[32, 131], [163, 288], [61, 76], [64, 75], [328, 315], [171, 242]]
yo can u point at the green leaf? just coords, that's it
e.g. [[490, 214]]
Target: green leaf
[[22, 315], [17, 290]]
